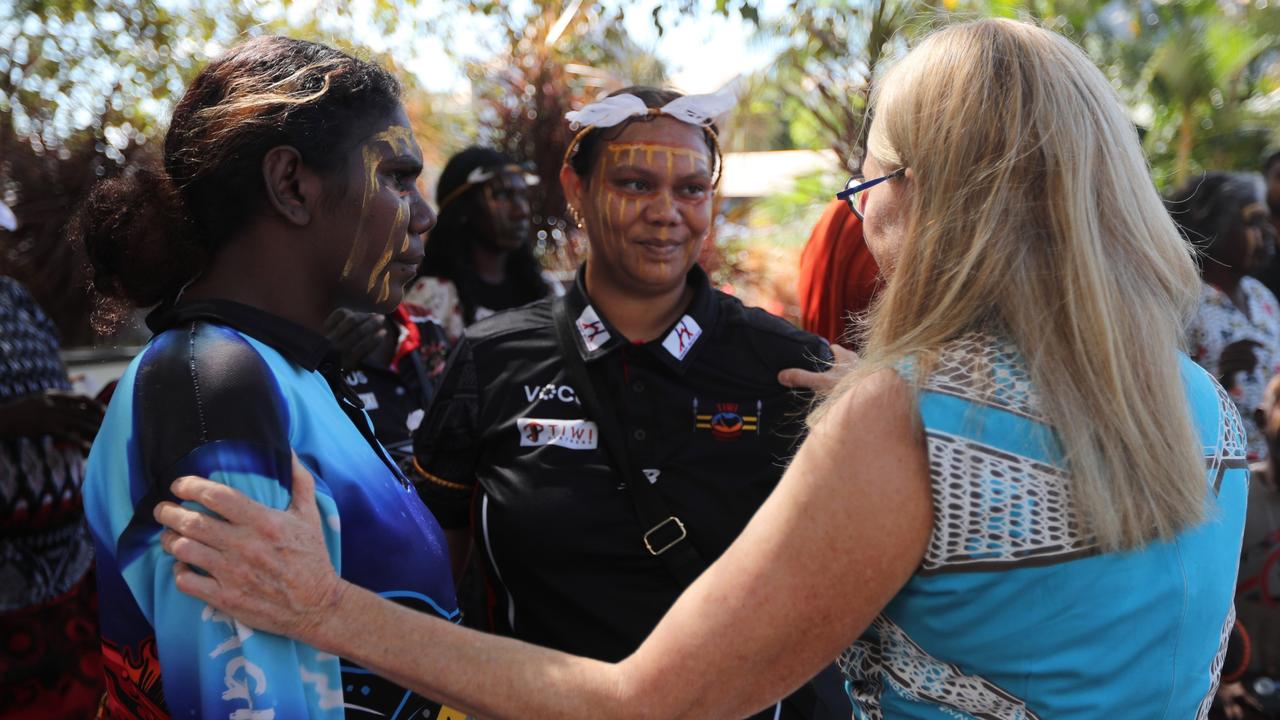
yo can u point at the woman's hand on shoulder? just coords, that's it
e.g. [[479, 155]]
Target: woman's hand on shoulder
[[844, 361], [267, 568]]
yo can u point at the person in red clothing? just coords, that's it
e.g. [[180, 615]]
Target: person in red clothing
[[838, 275]]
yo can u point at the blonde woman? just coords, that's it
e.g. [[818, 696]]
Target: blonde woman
[[1024, 503]]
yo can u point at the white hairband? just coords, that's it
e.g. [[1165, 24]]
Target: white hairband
[[485, 174], [701, 110], [8, 221]]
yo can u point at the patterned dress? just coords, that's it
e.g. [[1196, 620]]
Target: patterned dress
[[1217, 324], [49, 659], [1013, 614]]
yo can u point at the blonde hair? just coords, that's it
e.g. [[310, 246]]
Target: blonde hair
[[1032, 214]]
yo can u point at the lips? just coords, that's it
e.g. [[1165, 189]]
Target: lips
[[411, 261], [660, 247]]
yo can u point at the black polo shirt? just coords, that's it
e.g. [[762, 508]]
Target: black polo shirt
[[704, 418]]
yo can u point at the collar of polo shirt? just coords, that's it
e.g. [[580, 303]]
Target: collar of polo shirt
[[677, 347]]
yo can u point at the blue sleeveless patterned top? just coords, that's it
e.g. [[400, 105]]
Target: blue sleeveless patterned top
[[1013, 614]]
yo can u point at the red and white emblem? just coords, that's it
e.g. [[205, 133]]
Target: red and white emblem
[[591, 327], [570, 434], [682, 337]]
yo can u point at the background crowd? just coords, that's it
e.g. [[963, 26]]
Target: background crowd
[[504, 237]]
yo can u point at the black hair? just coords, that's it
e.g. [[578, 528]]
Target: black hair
[[583, 156], [448, 250], [1205, 208], [150, 231], [1270, 162]]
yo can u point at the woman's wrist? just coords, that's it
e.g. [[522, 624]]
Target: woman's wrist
[[323, 630]]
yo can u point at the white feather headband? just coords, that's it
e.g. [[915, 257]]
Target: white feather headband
[[699, 110]]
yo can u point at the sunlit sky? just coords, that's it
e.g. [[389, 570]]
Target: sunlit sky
[[701, 51]]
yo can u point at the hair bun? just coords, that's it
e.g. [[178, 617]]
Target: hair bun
[[137, 237]]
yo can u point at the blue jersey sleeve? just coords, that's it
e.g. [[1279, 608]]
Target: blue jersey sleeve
[[213, 666], [210, 400]]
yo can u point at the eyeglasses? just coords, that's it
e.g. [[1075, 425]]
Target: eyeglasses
[[855, 191]]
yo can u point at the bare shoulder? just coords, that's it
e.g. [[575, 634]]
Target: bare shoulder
[[880, 405]]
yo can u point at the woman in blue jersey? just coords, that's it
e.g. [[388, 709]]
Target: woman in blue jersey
[[287, 190], [1024, 502]]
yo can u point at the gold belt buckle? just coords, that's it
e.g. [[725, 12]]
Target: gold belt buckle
[[659, 526]]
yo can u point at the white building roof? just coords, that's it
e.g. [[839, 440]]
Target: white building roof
[[759, 174]]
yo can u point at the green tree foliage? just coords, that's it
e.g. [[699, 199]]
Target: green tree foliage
[[1201, 78], [831, 51], [1194, 74]]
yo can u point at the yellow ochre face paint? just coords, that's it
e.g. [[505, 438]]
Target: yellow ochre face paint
[[613, 210], [402, 216], [664, 161], [400, 140]]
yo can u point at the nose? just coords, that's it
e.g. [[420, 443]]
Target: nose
[[662, 210], [421, 217], [520, 206]]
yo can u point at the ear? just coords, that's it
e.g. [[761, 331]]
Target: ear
[[573, 186], [292, 188]]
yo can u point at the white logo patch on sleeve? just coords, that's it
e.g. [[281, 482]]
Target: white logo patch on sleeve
[[569, 434], [592, 329], [682, 337]]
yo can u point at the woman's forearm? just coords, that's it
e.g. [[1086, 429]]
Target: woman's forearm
[[437, 659], [824, 554]]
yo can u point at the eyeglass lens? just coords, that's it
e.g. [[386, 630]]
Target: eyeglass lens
[[857, 201]]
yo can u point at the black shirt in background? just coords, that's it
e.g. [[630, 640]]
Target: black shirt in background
[[396, 396]]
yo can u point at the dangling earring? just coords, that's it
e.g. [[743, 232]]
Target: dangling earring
[[577, 219]]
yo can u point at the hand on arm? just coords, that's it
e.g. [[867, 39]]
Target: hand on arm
[[214, 666], [272, 567], [845, 529], [269, 570]]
